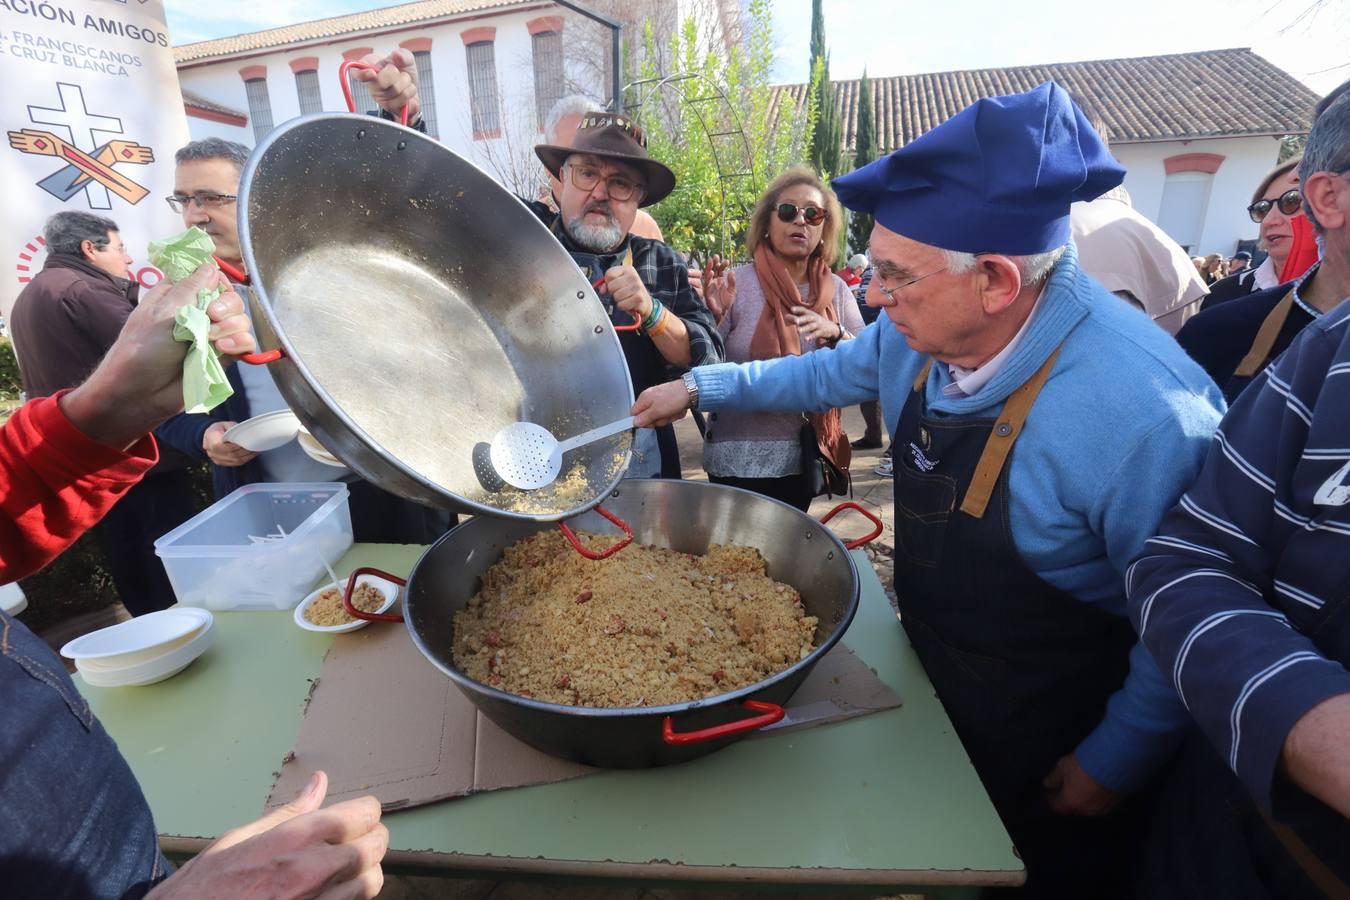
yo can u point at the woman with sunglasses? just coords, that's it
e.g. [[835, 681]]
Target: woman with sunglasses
[[1236, 340], [1277, 207], [786, 302]]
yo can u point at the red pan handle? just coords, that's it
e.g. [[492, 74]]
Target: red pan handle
[[263, 358], [599, 285], [603, 554], [351, 586], [876, 523], [347, 86], [768, 714]]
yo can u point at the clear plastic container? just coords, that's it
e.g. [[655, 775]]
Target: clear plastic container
[[262, 547]]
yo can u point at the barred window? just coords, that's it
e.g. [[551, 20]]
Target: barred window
[[548, 72], [307, 87], [426, 90], [483, 88], [360, 93], [259, 106]]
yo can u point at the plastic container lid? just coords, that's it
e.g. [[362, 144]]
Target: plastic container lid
[[141, 633]]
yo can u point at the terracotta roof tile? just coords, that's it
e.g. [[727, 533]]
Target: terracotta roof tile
[[334, 27], [1213, 93]]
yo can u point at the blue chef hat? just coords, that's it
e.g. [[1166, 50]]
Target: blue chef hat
[[998, 177]]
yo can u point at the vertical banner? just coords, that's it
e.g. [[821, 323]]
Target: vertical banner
[[92, 115]]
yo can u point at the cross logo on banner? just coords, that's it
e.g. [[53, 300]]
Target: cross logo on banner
[[91, 172]]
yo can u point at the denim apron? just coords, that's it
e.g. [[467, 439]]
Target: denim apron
[[1023, 669]]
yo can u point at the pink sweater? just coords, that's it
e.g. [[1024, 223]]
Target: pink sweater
[[761, 445]]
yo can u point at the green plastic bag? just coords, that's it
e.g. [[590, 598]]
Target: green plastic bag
[[204, 383]]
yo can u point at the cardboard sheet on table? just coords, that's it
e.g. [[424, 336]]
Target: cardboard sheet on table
[[383, 720]]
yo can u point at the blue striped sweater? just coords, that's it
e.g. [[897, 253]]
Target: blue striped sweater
[[1244, 596]]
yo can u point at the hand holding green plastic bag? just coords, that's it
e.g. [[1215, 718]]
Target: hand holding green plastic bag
[[204, 383]]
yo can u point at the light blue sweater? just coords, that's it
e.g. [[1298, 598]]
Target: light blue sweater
[[1119, 431]]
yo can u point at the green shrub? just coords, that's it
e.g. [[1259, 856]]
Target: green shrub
[[10, 384]]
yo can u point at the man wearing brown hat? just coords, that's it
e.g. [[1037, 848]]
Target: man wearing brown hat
[[606, 176]]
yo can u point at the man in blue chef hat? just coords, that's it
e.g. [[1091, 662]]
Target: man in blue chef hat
[[1042, 428]]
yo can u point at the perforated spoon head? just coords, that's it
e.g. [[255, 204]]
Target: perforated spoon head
[[526, 456]]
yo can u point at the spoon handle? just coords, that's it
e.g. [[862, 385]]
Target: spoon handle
[[595, 434]]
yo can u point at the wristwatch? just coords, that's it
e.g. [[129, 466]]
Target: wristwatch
[[691, 385]]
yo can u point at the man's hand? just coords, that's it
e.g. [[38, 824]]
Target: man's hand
[[720, 289], [1072, 792], [661, 405], [1317, 753], [393, 82], [222, 452], [625, 285], [296, 851], [140, 381]]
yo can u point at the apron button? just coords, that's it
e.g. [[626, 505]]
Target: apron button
[[1003, 429]]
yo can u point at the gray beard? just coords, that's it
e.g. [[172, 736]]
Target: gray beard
[[595, 238]]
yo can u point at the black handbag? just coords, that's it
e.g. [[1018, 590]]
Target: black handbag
[[822, 476]]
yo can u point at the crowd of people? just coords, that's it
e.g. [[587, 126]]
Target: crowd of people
[[1137, 622]]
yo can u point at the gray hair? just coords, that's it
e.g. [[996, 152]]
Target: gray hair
[[213, 148], [1035, 268], [1328, 146], [66, 231], [573, 105]]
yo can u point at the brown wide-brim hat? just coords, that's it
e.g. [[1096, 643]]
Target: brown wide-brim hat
[[612, 136]]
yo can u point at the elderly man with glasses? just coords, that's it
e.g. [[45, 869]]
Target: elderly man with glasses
[[1041, 430], [605, 176]]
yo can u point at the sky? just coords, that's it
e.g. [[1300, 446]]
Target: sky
[[1310, 39]]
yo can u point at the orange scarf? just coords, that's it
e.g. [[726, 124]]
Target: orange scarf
[[776, 335]]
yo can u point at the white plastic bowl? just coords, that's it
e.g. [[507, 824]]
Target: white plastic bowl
[[265, 432], [138, 639], [387, 588], [100, 673]]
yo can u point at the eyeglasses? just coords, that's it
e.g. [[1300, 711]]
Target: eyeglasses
[[203, 199], [890, 292], [587, 177], [1289, 203], [813, 215]]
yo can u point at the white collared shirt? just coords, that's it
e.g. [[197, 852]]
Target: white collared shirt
[[1266, 277], [967, 382]]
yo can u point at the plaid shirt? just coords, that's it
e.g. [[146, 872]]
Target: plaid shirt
[[667, 279]]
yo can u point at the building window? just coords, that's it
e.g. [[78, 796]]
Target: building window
[[483, 89], [307, 87], [360, 93], [426, 90], [1185, 201], [548, 72], [259, 106]]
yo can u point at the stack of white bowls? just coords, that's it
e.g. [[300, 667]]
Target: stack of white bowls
[[143, 650]]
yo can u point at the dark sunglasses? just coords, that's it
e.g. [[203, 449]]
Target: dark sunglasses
[[1289, 203], [813, 215]]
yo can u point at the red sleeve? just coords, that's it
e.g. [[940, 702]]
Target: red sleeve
[[56, 483]]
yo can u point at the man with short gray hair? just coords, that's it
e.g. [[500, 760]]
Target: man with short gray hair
[[63, 323], [1242, 598]]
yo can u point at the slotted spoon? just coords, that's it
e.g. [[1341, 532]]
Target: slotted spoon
[[528, 456]]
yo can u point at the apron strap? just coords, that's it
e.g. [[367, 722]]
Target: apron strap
[[1316, 870], [1265, 338], [1001, 438], [923, 376]]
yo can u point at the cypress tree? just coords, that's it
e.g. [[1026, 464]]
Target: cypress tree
[[865, 151]]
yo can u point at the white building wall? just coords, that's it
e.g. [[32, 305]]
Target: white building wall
[[513, 51], [1246, 161]]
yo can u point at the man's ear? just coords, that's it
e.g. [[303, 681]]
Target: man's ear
[[87, 250], [999, 282], [1320, 192]]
